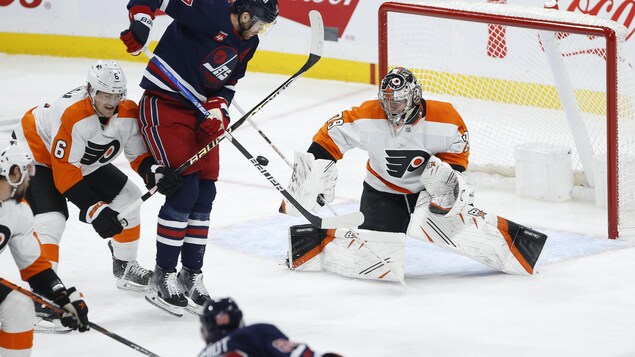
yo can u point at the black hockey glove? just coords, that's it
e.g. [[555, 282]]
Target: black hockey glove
[[104, 220], [136, 36], [76, 311], [167, 181]]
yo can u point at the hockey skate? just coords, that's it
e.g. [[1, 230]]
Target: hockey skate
[[166, 292], [197, 295], [130, 275], [48, 321]]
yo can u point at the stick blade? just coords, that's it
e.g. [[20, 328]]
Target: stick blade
[[317, 32], [343, 221]]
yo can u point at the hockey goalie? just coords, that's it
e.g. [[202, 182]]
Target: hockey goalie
[[418, 150]]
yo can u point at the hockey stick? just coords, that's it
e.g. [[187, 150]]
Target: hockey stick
[[37, 298], [317, 29], [398, 270], [317, 42]]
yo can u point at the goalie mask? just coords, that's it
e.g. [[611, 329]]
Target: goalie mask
[[14, 155], [400, 97], [220, 317], [107, 77]]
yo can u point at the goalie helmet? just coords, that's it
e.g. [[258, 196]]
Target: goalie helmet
[[220, 317], [400, 97], [13, 155], [265, 10], [107, 77]]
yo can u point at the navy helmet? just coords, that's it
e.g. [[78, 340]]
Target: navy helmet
[[265, 10], [220, 317]]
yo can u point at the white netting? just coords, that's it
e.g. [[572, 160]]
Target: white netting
[[501, 80]]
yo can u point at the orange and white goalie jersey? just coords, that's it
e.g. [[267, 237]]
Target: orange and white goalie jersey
[[395, 163], [16, 232], [68, 137]]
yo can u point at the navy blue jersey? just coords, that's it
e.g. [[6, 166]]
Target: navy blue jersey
[[263, 340], [201, 46]]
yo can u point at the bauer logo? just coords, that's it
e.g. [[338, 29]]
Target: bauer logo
[[336, 14], [218, 65]]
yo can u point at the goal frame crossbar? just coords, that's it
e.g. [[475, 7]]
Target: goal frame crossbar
[[607, 33]]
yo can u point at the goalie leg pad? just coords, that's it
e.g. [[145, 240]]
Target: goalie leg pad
[[489, 239], [363, 254]]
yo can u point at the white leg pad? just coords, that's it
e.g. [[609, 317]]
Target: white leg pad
[[363, 254], [486, 238], [129, 194], [16, 316], [373, 255]]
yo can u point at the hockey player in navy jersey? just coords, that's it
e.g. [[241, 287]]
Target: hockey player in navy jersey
[[207, 47], [225, 334]]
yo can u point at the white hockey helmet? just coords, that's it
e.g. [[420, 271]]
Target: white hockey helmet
[[13, 155], [107, 77], [400, 97]]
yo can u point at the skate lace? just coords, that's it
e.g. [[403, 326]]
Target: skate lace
[[172, 284], [199, 286], [134, 268]]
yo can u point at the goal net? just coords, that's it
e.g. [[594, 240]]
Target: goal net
[[521, 75]]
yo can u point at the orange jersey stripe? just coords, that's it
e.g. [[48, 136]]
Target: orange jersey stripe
[[504, 229], [387, 183], [16, 340], [66, 175], [136, 162], [38, 148], [128, 235], [51, 252]]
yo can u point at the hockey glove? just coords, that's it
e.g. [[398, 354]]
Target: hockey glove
[[104, 219], [76, 314], [312, 183], [136, 36], [167, 181], [218, 114]]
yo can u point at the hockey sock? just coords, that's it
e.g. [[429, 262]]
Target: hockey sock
[[198, 226], [171, 227]]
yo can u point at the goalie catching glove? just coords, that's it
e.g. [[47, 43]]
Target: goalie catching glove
[[312, 183], [449, 190]]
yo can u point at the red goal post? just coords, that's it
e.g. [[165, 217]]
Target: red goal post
[[493, 63]]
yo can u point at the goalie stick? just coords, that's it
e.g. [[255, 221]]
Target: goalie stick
[[37, 298], [317, 41], [398, 270]]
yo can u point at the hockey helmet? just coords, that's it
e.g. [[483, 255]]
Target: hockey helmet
[[12, 155], [265, 10], [400, 97], [107, 77], [220, 317]]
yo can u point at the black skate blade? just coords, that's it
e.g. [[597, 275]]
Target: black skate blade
[[158, 302]]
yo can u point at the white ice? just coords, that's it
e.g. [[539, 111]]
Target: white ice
[[580, 303]]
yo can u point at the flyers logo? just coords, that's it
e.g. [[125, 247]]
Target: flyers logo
[[218, 65], [100, 152], [398, 162], [5, 234]]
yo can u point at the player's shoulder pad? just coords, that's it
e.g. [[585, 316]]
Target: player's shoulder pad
[[128, 109], [442, 112], [370, 109], [19, 217]]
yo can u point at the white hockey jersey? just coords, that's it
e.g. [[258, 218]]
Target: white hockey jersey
[[16, 231], [68, 137], [395, 163]]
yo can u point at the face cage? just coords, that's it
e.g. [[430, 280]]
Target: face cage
[[29, 169]]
